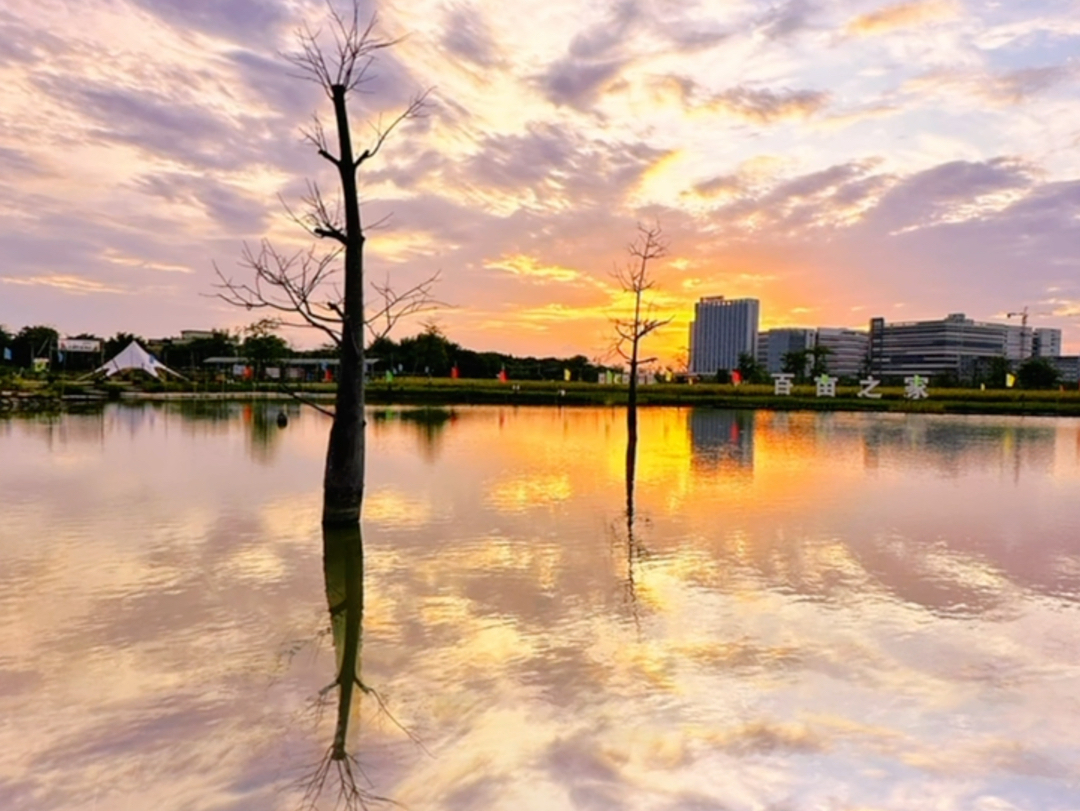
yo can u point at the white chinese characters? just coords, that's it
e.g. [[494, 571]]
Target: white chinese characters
[[825, 386], [782, 384], [868, 386], [915, 387]]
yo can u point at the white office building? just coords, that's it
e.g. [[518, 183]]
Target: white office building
[[847, 350], [1046, 343], [722, 330]]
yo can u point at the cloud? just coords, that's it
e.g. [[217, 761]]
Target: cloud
[[17, 162], [186, 131], [719, 186], [903, 15], [952, 192], [594, 58], [240, 20], [761, 105], [467, 35], [233, 211], [766, 106], [66, 283], [1006, 88], [528, 267], [25, 44], [786, 19], [577, 84]]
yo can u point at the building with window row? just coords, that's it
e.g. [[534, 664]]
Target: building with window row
[[722, 330], [955, 346], [1046, 343], [773, 344], [846, 356], [847, 350]]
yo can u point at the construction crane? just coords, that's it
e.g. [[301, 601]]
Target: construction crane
[[1023, 316]]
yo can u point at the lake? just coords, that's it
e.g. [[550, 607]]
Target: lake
[[807, 611]]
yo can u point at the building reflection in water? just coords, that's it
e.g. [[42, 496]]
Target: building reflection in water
[[722, 439], [955, 447]]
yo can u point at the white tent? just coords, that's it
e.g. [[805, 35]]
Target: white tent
[[135, 357]]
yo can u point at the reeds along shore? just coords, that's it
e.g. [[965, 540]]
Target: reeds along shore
[[445, 391]]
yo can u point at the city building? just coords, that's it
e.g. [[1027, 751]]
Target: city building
[[847, 350], [189, 335], [773, 344], [1046, 343], [954, 346], [1068, 366], [722, 330]]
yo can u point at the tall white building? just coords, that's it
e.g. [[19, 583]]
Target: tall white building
[[1046, 342], [722, 330]]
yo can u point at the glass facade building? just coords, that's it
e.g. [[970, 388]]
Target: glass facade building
[[722, 330], [953, 346], [773, 344]]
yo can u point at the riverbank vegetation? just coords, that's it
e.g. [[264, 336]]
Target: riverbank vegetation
[[39, 394]]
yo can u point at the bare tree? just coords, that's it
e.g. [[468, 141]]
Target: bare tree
[[634, 277], [301, 286]]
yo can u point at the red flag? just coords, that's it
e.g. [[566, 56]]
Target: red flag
[[502, 376], [453, 373], [736, 377]]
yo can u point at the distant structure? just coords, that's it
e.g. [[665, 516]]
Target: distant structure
[[1068, 366], [189, 335], [773, 344], [953, 346], [1046, 343], [847, 348], [722, 330]]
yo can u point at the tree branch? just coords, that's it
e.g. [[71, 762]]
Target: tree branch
[[414, 109], [395, 306]]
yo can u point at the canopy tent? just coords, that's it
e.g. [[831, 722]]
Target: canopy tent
[[134, 357]]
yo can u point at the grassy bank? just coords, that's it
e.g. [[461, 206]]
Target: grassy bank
[[941, 401], [442, 391]]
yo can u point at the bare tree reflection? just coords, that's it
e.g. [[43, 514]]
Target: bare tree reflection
[[634, 549], [338, 772]]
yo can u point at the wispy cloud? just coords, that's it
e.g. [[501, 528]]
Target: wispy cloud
[[68, 284], [903, 15], [530, 268]]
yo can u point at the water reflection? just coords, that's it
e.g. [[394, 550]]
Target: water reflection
[[954, 447], [722, 439], [343, 567], [430, 424], [823, 633], [634, 548]]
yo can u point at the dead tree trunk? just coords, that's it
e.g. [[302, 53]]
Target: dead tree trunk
[[293, 284], [343, 481]]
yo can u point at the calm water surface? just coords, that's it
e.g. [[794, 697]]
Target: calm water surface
[[823, 611]]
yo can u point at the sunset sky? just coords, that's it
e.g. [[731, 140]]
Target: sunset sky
[[837, 160]]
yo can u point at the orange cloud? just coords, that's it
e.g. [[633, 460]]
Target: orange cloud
[[902, 15], [529, 268]]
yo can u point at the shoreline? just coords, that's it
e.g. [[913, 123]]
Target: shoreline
[[439, 392]]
